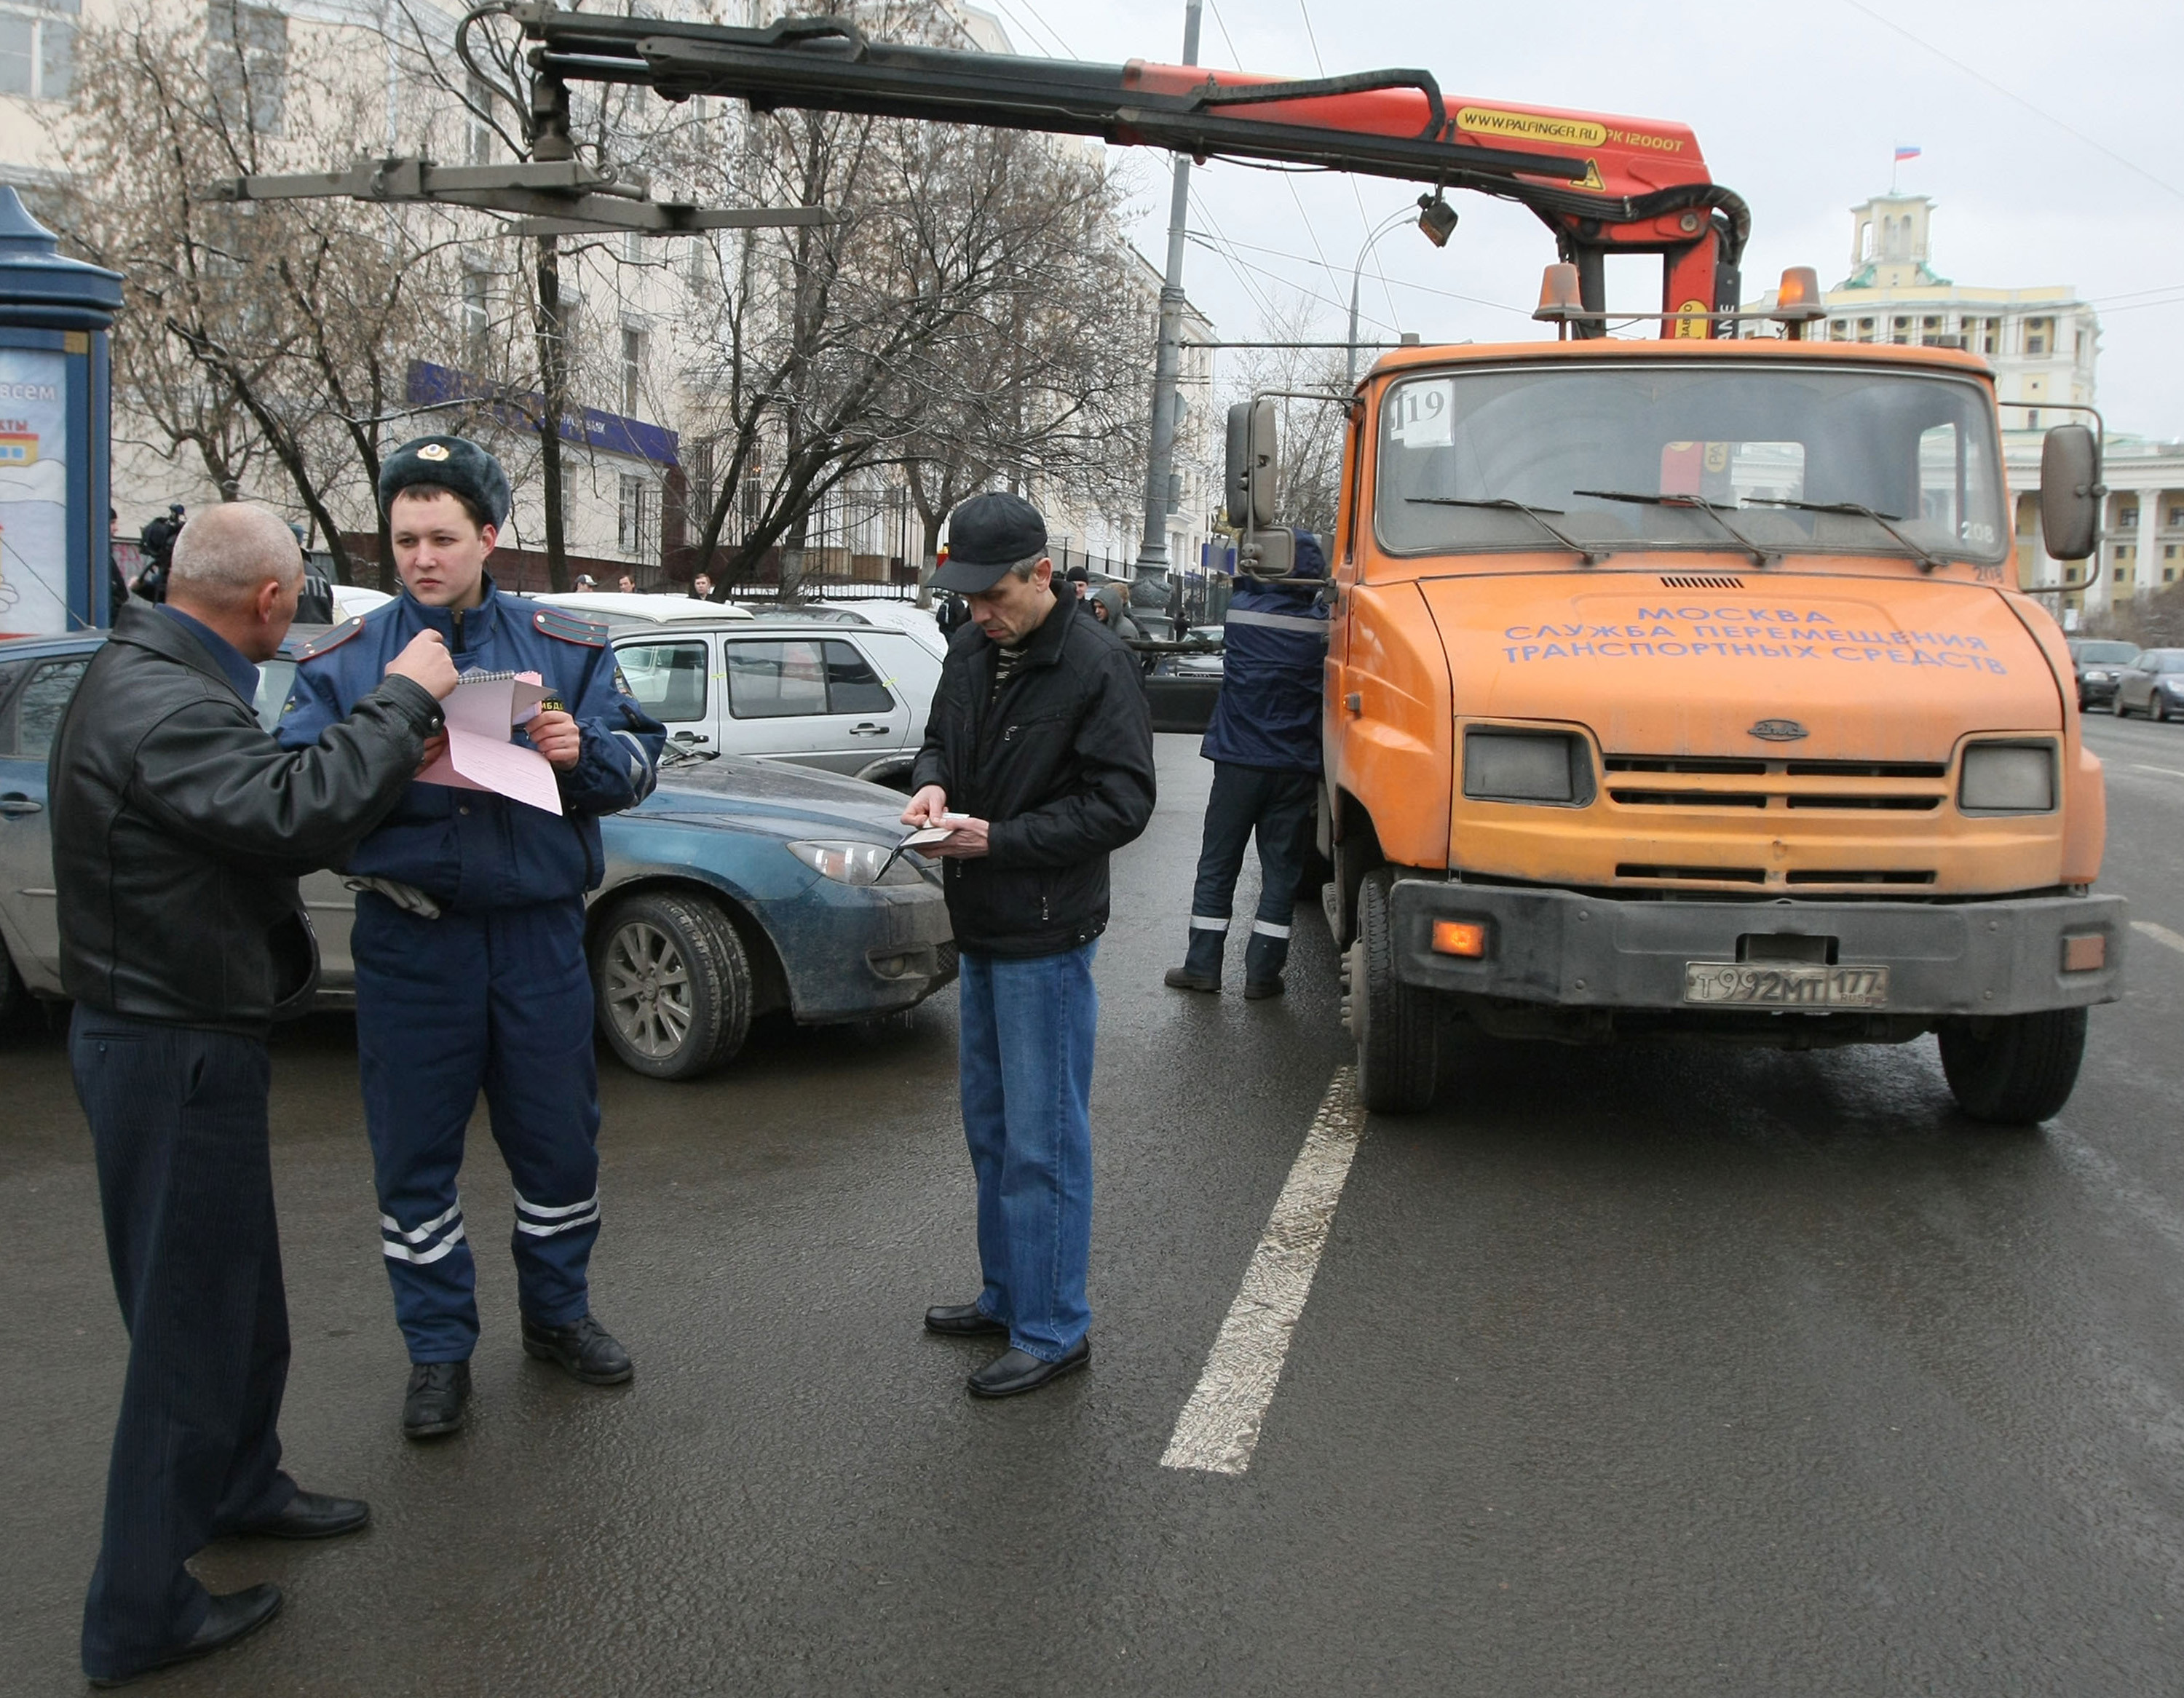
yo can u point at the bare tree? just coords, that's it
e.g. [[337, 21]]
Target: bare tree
[[1308, 471]]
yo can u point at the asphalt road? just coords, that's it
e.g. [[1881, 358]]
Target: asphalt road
[[1648, 1370]]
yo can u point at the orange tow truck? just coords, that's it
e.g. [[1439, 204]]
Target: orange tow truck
[[1677, 687]]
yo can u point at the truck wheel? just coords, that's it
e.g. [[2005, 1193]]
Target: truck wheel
[[1398, 1050], [2015, 1070], [673, 985]]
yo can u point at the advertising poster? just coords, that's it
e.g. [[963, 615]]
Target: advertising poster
[[33, 493]]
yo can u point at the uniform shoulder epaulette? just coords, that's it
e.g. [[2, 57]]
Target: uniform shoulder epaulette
[[570, 627], [326, 641]]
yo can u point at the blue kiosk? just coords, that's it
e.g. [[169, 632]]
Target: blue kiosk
[[55, 430]]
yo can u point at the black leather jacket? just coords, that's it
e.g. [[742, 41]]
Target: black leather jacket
[[181, 826], [1059, 764]]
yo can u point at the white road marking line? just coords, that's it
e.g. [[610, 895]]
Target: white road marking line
[[2165, 772], [2161, 934], [1219, 1427]]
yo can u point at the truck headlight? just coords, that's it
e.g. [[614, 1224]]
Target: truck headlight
[[1538, 766], [2007, 778], [853, 863]]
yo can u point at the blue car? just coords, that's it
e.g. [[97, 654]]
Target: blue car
[[738, 888]]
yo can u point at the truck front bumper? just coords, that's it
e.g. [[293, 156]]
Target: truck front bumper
[[1567, 950]]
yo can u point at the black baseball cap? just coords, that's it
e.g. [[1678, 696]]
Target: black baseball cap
[[987, 535]]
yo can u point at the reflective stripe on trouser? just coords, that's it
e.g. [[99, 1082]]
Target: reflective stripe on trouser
[[1247, 802], [499, 1000]]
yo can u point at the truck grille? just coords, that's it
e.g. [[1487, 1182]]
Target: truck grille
[[1906, 786]]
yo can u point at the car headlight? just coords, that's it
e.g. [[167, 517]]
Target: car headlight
[[2007, 778], [853, 863], [1550, 767]]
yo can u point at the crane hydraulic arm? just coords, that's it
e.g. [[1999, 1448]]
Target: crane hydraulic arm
[[1604, 184]]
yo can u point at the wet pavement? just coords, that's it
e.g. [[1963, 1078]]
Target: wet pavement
[[1648, 1371]]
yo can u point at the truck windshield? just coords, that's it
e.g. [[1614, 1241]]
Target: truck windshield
[[1918, 450]]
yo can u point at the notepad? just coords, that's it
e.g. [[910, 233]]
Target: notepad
[[481, 755]]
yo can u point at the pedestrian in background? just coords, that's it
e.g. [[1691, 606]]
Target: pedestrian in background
[[1263, 741], [701, 586], [469, 940], [1039, 733], [625, 584], [179, 827]]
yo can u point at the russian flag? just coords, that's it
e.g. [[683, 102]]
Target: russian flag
[[1903, 153]]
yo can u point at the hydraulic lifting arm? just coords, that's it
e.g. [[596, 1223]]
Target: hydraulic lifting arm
[[1604, 184]]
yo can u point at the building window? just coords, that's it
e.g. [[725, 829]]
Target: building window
[[636, 526], [1838, 330], [697, 468], [750, 491], [247, 63], [37, 54], [632, 370], [2123, 551], [2175, 517], [1990, 340], [2126, 515], [478, 320], [1901, 328], [2038, 334], [478, 139], [1865, 329]]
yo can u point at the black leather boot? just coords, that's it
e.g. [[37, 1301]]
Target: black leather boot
[[438, 1400], [1264, 958], [584, 1350], [1201, 962]]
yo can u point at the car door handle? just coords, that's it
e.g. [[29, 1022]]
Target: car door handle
[[868, 729], [15, 802], [690, 736]]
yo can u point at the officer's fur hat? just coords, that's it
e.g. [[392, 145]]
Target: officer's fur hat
[[455, 464]]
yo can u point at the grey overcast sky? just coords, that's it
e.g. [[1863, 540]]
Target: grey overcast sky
[[1801, 117]]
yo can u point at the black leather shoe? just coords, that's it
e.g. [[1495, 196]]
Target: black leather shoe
[[1257, 990], [437, 1401], [229, 1617], [961, 1321], [1015, 1371], [583, 1348], [1182, 978], [311, 1515]]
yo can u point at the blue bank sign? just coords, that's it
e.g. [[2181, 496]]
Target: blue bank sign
[[521, 409]]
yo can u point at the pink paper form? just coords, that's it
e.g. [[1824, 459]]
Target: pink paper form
[[480, 714]]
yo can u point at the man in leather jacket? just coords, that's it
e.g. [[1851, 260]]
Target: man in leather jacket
[[179, 827], [1038, 754]]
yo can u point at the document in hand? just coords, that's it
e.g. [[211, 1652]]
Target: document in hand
[[480, 714], [920, 837]]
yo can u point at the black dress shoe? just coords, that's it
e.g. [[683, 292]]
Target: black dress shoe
[[1015, 1371], [438, 1400], [1257, 990], [311, 1515], [229, 1617], [583, 1348], [1182, 978], [962, 1320]]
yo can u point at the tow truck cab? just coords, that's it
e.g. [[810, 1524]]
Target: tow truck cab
[[1683, 688]]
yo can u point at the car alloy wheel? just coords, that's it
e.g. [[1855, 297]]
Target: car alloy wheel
[[673, 984]]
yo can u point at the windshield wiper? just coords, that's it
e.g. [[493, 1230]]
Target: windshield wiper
[[1927, 559], [1503, 504], [1712, 510]]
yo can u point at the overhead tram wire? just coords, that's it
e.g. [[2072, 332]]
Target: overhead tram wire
[[1398, 282], [1364, 222], [1212, 246]]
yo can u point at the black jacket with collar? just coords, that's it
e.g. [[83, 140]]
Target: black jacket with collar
[[181, 826], [1060, 763]]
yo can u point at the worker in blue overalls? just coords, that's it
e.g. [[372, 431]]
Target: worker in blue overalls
[[469, 939]]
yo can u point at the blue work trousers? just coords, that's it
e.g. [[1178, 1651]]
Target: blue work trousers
[[1275, 805], [1025, 1054], [498, 998], [185, 1185]]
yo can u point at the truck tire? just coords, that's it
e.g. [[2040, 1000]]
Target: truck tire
[[2017, 1069], [673, 985], [1393, 1023]]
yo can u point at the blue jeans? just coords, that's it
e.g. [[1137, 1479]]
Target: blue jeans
[[1026, 1061]]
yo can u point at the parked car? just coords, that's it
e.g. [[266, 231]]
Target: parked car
[[2100, 665], [736, 888], [2153, 685]]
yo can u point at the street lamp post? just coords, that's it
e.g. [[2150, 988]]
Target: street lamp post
[[1387, 224]]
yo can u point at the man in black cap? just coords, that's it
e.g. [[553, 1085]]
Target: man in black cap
[[1038, 754], [469, 939]]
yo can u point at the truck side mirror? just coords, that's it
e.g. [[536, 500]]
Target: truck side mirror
[[1250, 484], [1266, 554], [2070, 491]]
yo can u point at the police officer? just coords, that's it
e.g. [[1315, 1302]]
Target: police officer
[[314, 605], [1264, 745], [469, 939]]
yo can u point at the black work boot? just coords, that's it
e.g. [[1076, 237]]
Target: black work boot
[[1201, 962], [1264, 958], [583, 1348], [437, 1401]]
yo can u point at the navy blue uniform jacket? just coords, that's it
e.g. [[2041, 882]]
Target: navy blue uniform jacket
[[1273, 646], [468, 848]]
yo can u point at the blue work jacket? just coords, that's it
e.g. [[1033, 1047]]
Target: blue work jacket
[[472, 849], [1274, 650]]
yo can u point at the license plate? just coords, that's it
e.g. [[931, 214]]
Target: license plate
[[1745, 984]]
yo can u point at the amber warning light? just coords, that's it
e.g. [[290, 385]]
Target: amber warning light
[[1797, 303], [1460, 937]]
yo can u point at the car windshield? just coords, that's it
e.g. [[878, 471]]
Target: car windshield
[[2107, 653], [1463, 454], [2165, 660]]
